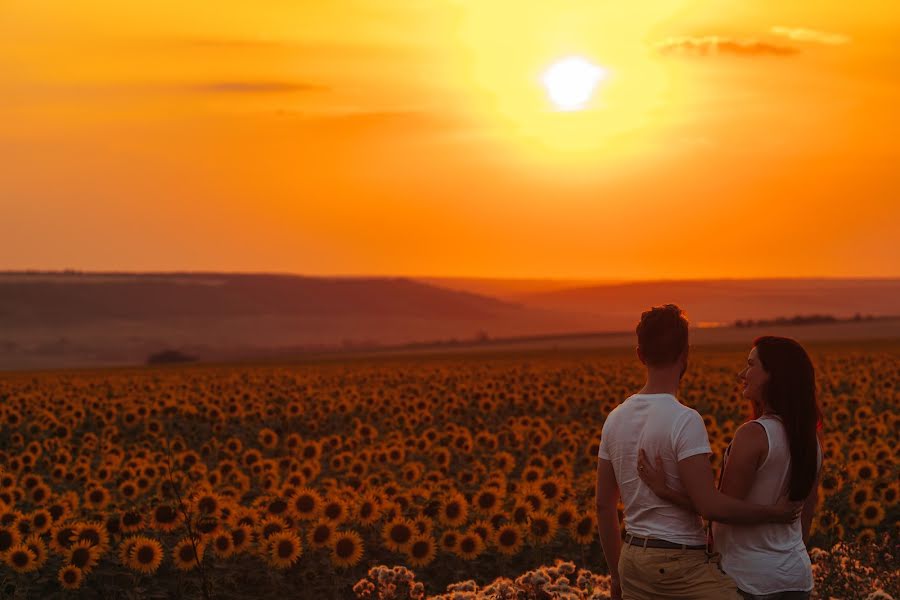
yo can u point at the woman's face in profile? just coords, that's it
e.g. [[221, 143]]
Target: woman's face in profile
[[753, 378]]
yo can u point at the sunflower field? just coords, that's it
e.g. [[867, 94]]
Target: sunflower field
[[464, 476]]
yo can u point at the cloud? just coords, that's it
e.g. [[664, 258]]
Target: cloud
[[712, 45], [253, 87], [801, 34]]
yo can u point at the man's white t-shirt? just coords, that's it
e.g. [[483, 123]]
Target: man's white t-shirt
[[660, 425]]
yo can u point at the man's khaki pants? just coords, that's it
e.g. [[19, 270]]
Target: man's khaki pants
[[662, 574]]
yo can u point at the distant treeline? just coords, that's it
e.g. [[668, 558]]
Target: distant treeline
[[805, 320]]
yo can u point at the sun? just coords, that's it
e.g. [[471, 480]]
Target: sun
[[571, 82]]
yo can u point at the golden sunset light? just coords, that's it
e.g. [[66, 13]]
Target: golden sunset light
[[494, 138]]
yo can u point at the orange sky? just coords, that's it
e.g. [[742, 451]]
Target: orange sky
[[731, 139]]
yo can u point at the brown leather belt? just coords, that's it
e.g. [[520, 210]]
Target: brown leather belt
[[651, 543]]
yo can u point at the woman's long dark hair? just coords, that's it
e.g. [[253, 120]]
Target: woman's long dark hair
[[790, 392]]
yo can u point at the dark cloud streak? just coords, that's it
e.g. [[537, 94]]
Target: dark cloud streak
[[714, 46]]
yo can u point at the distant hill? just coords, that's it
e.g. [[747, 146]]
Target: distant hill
[[723, 301], [73, 298], [83, 319], [75, 319]]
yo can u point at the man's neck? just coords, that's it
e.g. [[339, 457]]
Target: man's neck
[[661, 382]]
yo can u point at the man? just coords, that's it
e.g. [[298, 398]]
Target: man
[[665, 553]]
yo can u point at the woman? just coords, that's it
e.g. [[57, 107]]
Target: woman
[[775, 454]]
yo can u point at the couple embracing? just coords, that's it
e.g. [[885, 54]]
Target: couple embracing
[[655, 455]]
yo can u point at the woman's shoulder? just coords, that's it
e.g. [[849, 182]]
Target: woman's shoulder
[[751, 437]]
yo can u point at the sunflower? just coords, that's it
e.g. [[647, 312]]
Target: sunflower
[[542, 527], [41, 520], [223, 544], [585, 528], [421, 550], [831, 483], [306, 504], [483, 529], [270, 526], [864, 471], [20, 559], [866, 536], [183, 554], [552, 487], [37, 545], [83, 555], [132, 521], [891, 494], [422, 525], [508, 539], [397, 534], [321, 533], [449, 540], [97, 497], [93, 532], [39, 493], [268, 439], [146, 555], [566, 514], [208, 503], [368, 511], [470, 546], [165, 518], [335, 511], [346, 549], [70, 577], [521, 512], [860, 495], [128, 490], [486, 501], [532, 495], [283, 549], [241, 537], [9, 537], [124, 549], [454, 510], [871, 513]]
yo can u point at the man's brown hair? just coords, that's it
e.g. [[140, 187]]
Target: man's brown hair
[[662, 335]]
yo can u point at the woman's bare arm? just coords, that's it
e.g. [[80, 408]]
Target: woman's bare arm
[[748, 451]]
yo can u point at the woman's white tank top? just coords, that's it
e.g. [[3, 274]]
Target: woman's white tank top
[[771, 557]]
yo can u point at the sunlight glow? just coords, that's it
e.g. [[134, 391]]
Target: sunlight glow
[[571, 82]]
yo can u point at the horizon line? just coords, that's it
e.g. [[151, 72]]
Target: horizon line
[[606, 280]]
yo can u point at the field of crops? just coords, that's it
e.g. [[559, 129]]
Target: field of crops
[[314, 480]]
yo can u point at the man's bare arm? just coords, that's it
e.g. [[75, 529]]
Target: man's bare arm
[[697, 478], [607, 498]]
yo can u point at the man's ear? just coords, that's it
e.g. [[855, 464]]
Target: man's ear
[[640, 356]]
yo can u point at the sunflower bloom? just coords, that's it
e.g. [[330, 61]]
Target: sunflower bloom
[[470, 546], [184, 557], [306, 504], [70, 577], [454, 511], [397, 534], [284, 548], [146, 555], [346, 549], [871, 513], [321, 533], [83, 555], [421, 550], [20, 559], [508, 539], [223, 544], [585, 528]]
